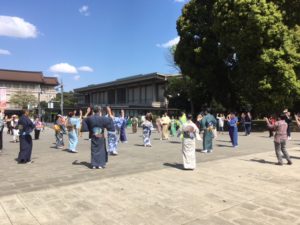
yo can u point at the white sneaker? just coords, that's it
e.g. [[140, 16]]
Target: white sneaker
[[204, 151]]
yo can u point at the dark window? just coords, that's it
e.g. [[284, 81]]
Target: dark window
[[111, 96]]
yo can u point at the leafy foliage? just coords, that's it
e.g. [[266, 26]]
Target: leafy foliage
[[242, 53], [22, 99]]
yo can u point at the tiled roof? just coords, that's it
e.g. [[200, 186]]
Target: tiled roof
[[27, 76]]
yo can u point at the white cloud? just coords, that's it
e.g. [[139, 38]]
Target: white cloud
[[63, 68], [85, 69], [179, 0], [77, 77], [4, 52], [170, 43], [56, 75], [84, 10], [17, 27]]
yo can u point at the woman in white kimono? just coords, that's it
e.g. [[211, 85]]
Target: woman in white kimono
[[189, 131]]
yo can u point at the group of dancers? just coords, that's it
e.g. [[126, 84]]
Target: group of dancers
[[106, 131]]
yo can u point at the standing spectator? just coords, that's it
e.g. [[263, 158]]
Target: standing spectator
[[97, 124], [1, 128], [248, 123], [15, 129], [147, 129], [208, 124], [26, 127], [38, 127], [232, 121], [288, 120], [280, 138], [189, 131]]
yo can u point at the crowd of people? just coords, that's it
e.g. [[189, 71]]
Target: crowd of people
[[106, 131]]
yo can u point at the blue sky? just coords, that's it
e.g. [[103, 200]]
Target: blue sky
[[88, 41]]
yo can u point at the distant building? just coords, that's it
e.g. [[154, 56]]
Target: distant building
[[135, 94], [35, 83]]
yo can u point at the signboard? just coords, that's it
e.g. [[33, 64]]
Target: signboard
[[2, 97]]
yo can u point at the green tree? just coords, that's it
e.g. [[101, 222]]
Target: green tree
[[22, 99], [70, 99], [242, 52]]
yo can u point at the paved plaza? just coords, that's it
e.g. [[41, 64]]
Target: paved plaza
[[148, 186]]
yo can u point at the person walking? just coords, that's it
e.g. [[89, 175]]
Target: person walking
[[208, 124], [96, 124], [38, 127], [232, 122], [189, 131], [147, 129], [280, 138], [26, 126]]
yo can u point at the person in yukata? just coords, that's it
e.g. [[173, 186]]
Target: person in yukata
[[280, 139], [112, 136], [232, 122], [208, 124], [72, 124], [147, 129], [26, 126], [189, 131], [96, 124], [123, 122], [248, 122]]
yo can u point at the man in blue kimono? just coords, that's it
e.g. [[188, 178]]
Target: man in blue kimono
[[208, 124], [96, 124], [25, 126]]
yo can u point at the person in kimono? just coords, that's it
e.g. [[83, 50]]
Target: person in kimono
[[96, 124], [59, 126], [189, 131], [112, 136], [147, 129], [38, 127], [15, 129], [134, 122], [72, 124], [208, 124], [232, 122], [165, 122], [173, 127], [123, 122], [26, 126], [280, 139], [247, 123], [158, 124]]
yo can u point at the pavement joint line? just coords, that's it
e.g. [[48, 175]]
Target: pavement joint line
[[20, 199], [6, 213]]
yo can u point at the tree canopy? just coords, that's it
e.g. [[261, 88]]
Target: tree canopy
[[22, 99], [243, 53]]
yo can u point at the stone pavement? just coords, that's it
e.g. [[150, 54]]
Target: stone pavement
[[148, 186]]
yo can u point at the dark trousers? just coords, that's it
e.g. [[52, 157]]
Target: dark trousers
[[288, 131], [1, 138], [247, 128], [271, 133], [37, 134]]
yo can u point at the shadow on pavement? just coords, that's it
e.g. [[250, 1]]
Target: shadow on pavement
[[294, 157], [140, 145], [226, 146], [83, 163], [175, 165], [261, 161], [175, 142]]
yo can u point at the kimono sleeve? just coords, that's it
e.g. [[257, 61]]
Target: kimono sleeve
[[84, 126], [109, 124]]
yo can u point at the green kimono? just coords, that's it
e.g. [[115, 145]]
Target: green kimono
[[207, 124]]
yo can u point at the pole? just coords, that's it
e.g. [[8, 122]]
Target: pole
[[62, 98], [39, 106]]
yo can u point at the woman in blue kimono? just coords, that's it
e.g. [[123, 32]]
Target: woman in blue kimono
[[123, 122], [232, 122], [208, 124], [72, 124], [112, 136], [96, 124], [25, 126], [147, 129]]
